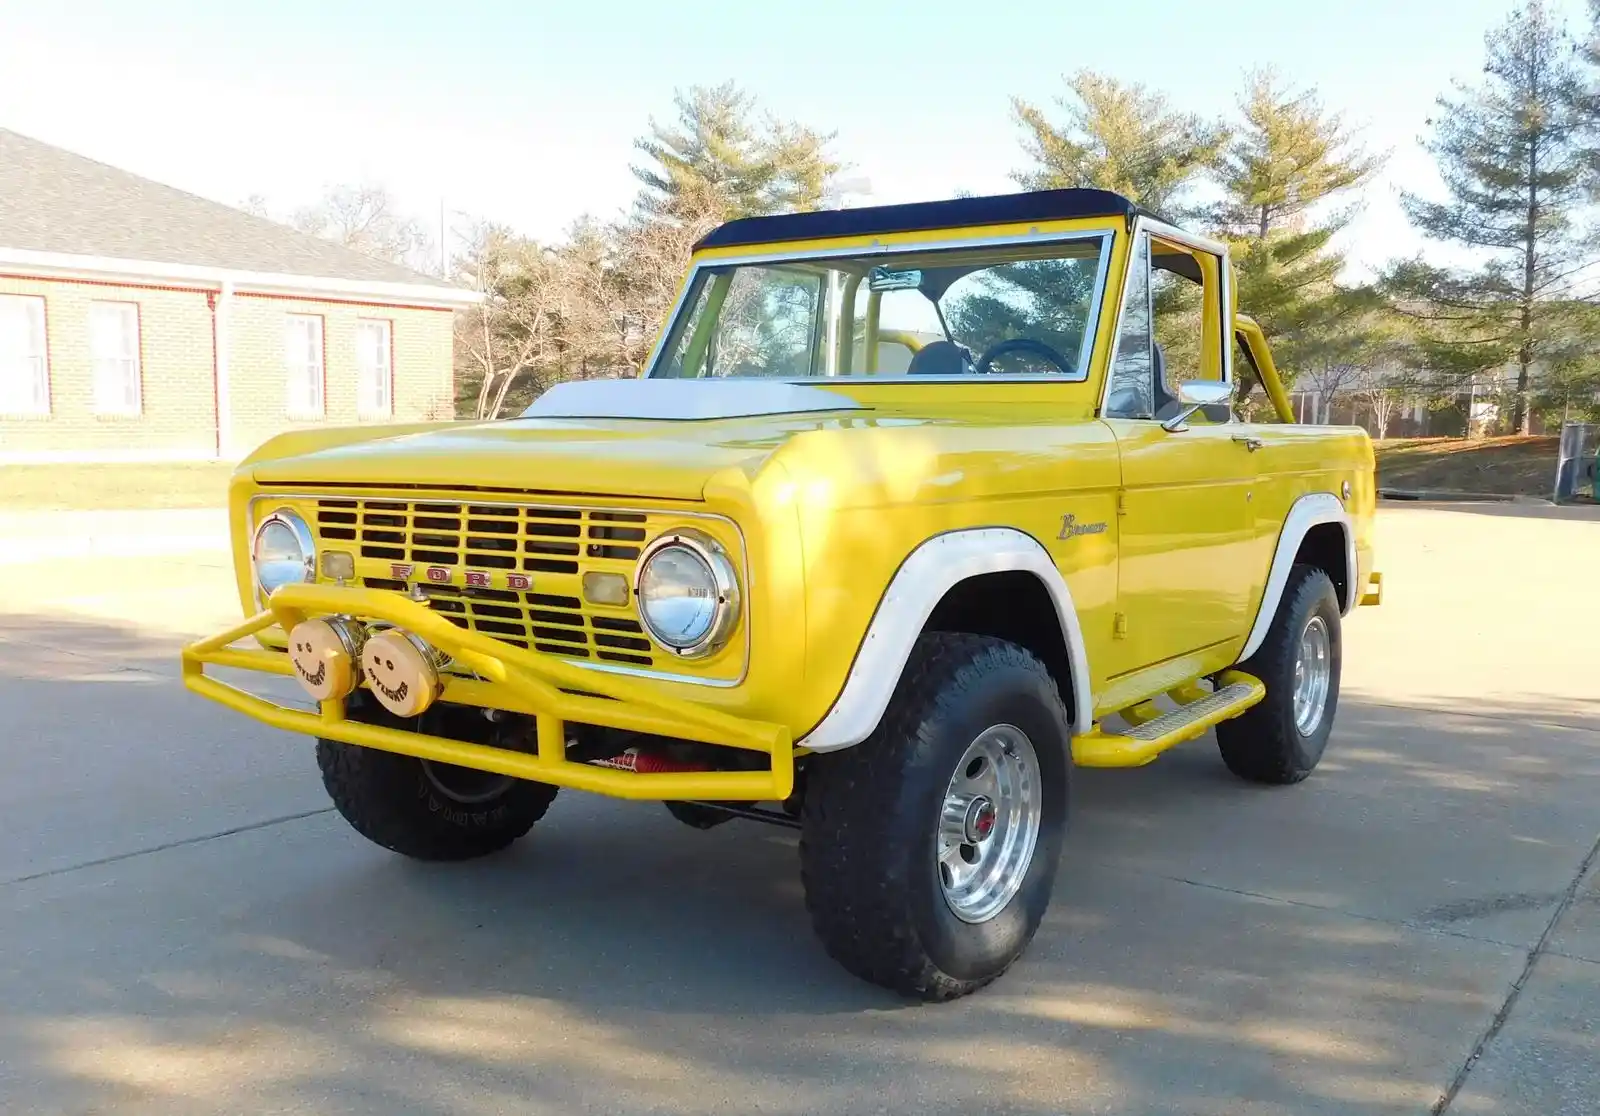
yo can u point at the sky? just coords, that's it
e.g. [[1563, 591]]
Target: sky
[[525, 113]]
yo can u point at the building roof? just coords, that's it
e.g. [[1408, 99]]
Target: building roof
[[59, 203], [993, 209]]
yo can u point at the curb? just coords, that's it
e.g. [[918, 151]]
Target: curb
[[1445, 496]]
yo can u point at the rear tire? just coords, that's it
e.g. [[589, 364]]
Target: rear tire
[[425, 810], [877, 816], [1280, 740]]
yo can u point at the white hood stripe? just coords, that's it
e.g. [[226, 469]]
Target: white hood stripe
[[684, 400]]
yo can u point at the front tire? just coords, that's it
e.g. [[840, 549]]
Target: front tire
[[1280, 739], [928, 851], [425, 810]]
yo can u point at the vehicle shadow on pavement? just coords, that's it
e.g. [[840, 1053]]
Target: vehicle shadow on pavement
[[1213, 948]]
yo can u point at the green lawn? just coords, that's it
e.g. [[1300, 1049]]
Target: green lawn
[[201, 484], [1511, 466]]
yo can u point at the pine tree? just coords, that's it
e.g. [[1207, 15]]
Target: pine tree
[[1511, 155], [1289, 156], [1287, 161], [1119, 137], [718, 162]]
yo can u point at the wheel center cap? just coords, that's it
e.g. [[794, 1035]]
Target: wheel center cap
[[980, 819]]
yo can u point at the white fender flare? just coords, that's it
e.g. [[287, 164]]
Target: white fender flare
[[1307, 512], [922, 581]]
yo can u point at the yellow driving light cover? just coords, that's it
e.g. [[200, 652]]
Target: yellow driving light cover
[[605, 588], [402, 671], [326, 654], [340, 565]]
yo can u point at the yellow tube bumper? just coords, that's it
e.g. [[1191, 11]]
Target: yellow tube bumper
[[512, 679]]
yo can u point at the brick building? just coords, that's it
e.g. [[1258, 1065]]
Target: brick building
[[139, 322]]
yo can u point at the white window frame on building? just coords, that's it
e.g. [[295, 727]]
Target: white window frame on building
[[114, 352], [374, 367], [305, 368], [24, 356]]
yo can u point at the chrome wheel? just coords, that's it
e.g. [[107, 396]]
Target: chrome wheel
[[990, 823], [1313, 672], [466, 785]]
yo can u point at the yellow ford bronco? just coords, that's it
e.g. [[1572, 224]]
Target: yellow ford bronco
[[912, 510]]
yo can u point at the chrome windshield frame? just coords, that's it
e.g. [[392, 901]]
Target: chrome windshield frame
[[1105, 235]]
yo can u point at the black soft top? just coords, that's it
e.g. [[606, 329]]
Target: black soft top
[[992, 209]]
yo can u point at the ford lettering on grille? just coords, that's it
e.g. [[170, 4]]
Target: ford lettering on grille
[[472, 579]]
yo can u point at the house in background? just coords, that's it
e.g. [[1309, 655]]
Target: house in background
[[142, 323]]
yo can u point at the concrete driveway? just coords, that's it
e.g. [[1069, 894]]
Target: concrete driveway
[[186, 928]]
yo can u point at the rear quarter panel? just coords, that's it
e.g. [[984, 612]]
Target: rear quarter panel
[[1298, 460]]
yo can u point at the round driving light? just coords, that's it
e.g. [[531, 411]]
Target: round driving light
[[688, 595], [402, 671], [283, 552], [326, 655]]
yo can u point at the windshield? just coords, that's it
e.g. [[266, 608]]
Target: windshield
[[1007, 310]]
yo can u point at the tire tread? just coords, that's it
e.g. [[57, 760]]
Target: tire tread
[[384, 798], [1255, 745], [859, 903]]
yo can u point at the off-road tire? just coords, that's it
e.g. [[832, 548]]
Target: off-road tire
[[869, 821], [1263, 745], [388, 799], [699, 817]]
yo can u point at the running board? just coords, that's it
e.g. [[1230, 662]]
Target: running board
[[1150, 737]]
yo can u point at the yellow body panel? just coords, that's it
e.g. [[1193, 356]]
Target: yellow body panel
[[819, 512]]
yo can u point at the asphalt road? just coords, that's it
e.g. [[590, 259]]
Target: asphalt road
[[186, 928]]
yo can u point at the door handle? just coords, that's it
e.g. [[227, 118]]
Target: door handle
[[1249, 443]]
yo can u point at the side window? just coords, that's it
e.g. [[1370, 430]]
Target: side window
[[1130, 394], [1184, 299], [752, 321], [1248, 378], [769, 324]]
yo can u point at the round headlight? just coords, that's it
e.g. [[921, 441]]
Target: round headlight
[[283, 552], [688, 595]]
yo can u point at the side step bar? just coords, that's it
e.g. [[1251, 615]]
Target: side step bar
[[1153, 735], [1373, 594]]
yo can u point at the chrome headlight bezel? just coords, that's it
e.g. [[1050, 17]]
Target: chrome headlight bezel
[[721, 579], [297, 526]]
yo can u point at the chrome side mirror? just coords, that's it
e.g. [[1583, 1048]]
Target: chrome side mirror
[[1194, 394]]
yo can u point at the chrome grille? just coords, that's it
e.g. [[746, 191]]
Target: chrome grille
[[553, 547]]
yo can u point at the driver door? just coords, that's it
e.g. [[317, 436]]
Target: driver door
[[1186, 522]]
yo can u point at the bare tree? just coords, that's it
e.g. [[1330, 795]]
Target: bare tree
[[514, 330], [1330, 377], [256, 206], [1385, 390], [366, 219], [591, 304]]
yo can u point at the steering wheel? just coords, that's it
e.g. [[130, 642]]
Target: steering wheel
[[1023, 345]]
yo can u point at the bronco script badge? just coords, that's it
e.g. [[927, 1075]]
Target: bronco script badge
[[1071, 528]]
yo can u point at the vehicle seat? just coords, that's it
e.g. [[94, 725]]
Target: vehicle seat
[[939, 358]]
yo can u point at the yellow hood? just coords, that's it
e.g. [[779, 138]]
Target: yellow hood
[[602, 457]]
